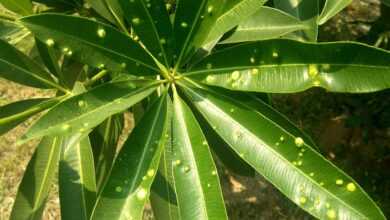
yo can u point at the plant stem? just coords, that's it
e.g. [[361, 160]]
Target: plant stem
[[96, 77]]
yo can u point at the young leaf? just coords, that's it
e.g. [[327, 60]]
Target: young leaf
[[15, 113], [98, 45], [195, 176], [37, 180], [306, 11], [234, 13], [77, 183], [285, 66], [127, 190], [87, 110], [17, 67], [23, 7], [331, 8], [265, 24], [151, 23], [298, 171]]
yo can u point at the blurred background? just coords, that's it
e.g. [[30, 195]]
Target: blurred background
[[353, 131]]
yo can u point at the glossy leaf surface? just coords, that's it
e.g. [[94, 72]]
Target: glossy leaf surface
[[289, 163], [128, 188], [98, 45], [284, 66], [267, 23], [17, 67], [50, 58], [151, 23], [109, 9], [77, 183], [23, 7], [37, 180], [87, 110], [331, 8], [195, 176]]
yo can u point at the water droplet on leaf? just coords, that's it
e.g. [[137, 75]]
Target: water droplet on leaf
[[351, 187], [299, 142], [101, 32], [141, 194]]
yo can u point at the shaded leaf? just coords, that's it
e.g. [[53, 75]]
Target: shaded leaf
[[23, 7], [98, 45], [127, 190], [298, 171], [109, 9], [285, 66], [50, 58], [331, 8], [265, 24], [87, 110], [34, 188]]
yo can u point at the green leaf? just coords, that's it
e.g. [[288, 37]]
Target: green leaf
[[151, 23], [386, 2], [50, 58], [298, 171], [77, 185], [193, 22], [98, 45], [285, 66], [37, 180], [23, 7], [265, 24], [17, 67], [104, 141], [87, 110], [127, 190], [109, 9], [7, 29], [234, 13], [331, 8], [306, 11], [195, 176], [15, 113]]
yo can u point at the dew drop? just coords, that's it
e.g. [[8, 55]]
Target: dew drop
[[210, 79], [150, 172], [65, 49], [214, 173], [255, 71], [163, 41], [351, 187], [144, 178], [275, 54], [204, 143], [69, 53], [299, 163], [282, 138], [118, 189], [210, 9], [141, 194], [252, 59], [311, 174], [101, 32], [302, 200], [313, 70], [177, 162], [232, 110], [299, 142], [81, 103], [184, 24], [101, 66], [85, 124], [136, 21], [208, 185], [50, 42], [236, 75], [123, 65], [300, 154], [65, 127], [339, 182], [331, 214], [322, 183]]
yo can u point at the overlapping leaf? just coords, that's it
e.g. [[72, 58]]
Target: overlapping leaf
[[37, 180], [267, 23], [97, 45], [289, 163], [109, 9], [23, 7], [87, 110], [284, 66], [331, 8], [127, 190], [150, 20], [49, 57]]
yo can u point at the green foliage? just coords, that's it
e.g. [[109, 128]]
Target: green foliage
[[185, 71]]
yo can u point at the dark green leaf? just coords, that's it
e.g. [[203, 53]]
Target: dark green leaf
[[109, 9], [195, 176], [127, 190], [284, 66], [97, 45], [37, 180], [267, 23], [331, 8], [150, 20], [87, 110], [289, 163], [23, 7], [50, 58], [77, 183], [16, 66]]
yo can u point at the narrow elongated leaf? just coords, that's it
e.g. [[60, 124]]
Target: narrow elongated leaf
[[265, 24], [306, 11], [37, 180], [150, 20], [235, 12], [50, 58], [23, 7], [7, 28], [284, 66], [104, 141], [98, 45], [289, 163], [109, 9], [331, 8], [17, 67], [77, 183], [87, 110], [195, 176], [15, 113], [193, 22], [127, 190]]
